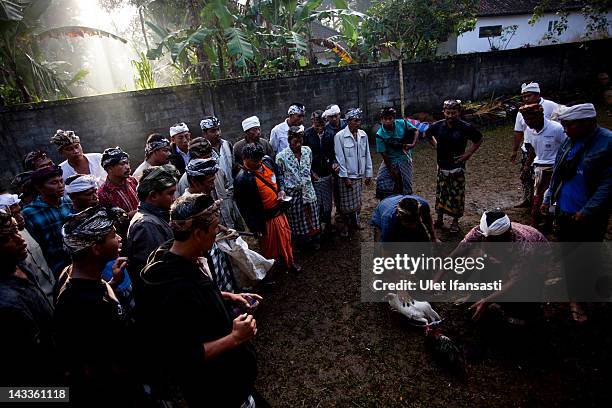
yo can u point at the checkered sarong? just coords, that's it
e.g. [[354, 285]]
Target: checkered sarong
[[385, 184], [303, 217], [223, 273], [323, 189], [349, 197]]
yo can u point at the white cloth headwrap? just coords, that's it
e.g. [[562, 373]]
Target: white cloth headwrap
[[250, 123], [498, 227], [333, 110], [6, 200], [81, 184], [581, 111], [295, 109], [530, 87], [178, 128]]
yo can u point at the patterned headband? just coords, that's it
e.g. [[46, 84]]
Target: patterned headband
[[112, 156], [206, 217], [8, 225], [153, 146], [210, 123], [63, 138], [355, 113], [296, 110], [86, 228]]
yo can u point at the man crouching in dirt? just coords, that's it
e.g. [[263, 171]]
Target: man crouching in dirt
[[403, 218], [185, 325]]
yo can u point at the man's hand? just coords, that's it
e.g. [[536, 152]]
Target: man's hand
[[368, 181], [244, 328], [281, 195], [479, 308], [118, 266], [336, 168], [513, 156], [248, 300], [463, 158]]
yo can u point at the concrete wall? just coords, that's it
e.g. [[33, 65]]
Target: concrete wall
[[126, 119], [526, 34]]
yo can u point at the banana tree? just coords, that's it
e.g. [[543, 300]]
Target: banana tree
[[22, 64]]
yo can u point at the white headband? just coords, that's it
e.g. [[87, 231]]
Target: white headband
[[530, 87], [581, 111], [250, 123], [333, 110], [81, 184], [7, 200], [178, 128], [498, 227]]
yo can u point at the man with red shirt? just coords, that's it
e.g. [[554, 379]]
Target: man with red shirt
[[119, 189]]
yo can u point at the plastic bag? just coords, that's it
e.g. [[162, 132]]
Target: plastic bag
[[250, 265]]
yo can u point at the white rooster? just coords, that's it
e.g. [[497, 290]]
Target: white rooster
[[418, 312]]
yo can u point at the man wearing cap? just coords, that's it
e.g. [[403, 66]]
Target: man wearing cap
[[294, 165], [278, 135], [581, 190], [224, 179], [522, 276], [334, 122], [157, 153], [530, 94], [27, 349], [45, 215], [355, 163], [83, 191], [36, 159], [394, 141], [320, 140], [543, 138], [196, 343], [149, 227], [92, 328], [179, 148], [450, 137], [404, 218], [199, 148], [119, 189], [35, 261], [252, 133], [69, 146]]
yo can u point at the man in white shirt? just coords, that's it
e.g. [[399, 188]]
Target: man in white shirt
[[279, 133], [543, 137], [530, 94], [69, 146], [355, 164], [157, 153]]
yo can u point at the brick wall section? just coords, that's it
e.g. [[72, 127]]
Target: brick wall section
[[127, 118]]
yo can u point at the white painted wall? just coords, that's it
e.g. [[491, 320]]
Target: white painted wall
[[526, 34]]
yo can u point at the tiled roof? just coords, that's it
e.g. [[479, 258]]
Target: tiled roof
[[511, 7]]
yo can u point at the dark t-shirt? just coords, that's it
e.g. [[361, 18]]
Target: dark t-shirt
[[94, 342], [323, 155], [452, 141], [179, 310], [26, 342]]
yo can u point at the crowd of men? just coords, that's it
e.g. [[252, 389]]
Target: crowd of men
[[112, 281]]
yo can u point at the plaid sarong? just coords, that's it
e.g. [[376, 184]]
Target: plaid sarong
[[349, 197], [450, 192], [223, 273], [323, 189], [303, 217], [385, 184]]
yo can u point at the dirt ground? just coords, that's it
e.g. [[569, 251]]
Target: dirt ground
[[320, 346]]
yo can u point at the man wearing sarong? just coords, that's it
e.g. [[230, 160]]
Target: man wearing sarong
[[450, 136], [224, 180], [530, 94], [320, 140], [543, 138], [355, 164], [404, 218], [294, 168], [394, 141], [259, 193], [279, 133], [581, 188]]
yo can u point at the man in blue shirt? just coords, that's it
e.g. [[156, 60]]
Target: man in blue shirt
[[581, 188], [394, 140], [404, 218]]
